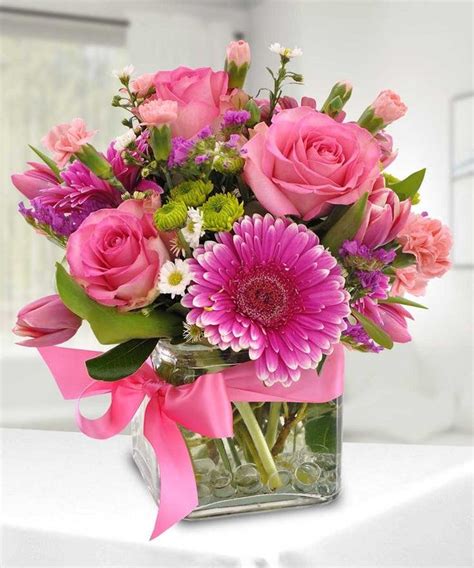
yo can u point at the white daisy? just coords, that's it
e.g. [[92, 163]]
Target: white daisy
[[124, 73], [285, 51], [174, 277], [193, 231], [125, 140]]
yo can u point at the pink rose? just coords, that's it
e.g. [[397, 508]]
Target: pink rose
[[238, 52], [158, 112], [116, 255], [143, 84], [409, 280], [389, 107], [306, 161], [46, 321], [430, 241], [66, 139], [197, 92], [32, 181], [385, 216]]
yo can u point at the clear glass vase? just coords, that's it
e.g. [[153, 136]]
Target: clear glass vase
[[282, 454]]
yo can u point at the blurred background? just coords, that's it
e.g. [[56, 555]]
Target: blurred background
[[56, 61]]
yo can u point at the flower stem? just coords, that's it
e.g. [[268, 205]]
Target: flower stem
[[222, 452], [273, 422], [290, 421], [259, 441]]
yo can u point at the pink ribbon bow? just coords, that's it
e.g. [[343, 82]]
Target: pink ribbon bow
[[203, 406]]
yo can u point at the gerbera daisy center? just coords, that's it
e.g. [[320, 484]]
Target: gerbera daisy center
[[266, 294]]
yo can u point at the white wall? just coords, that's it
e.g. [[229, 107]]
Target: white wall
[[423, 50]]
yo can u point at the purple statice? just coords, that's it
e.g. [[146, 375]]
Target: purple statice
[[235, 118], [356, 336], [375, 283], [201, 159], [234, 141], [357, 255], [60, 222], [180, 150]]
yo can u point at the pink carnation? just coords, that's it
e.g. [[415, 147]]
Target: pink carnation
[[158, 112], [409, 280], [116, 255], [238, 52], [430, 242], [389, 106], [272, 289], [64, 140], [385, 216], [143, 84], [305, 162], [198, 93]]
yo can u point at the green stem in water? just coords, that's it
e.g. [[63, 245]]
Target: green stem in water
[[233, 451], [248, 448], [260, 443], [273, 423], [222, 452]]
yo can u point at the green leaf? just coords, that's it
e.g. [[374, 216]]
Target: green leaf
[[48, 161], [373, 330], [108, 324], [322, 432], [407, 188], [403, 260], [404, 301], [121, 361], [347, 226]]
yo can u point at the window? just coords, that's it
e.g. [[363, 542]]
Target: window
[[52, 71]]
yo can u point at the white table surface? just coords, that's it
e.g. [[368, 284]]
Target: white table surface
[[68, 500]]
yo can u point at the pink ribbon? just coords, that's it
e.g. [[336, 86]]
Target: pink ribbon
[[203, 406]]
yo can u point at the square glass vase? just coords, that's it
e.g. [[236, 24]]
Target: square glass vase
[[282, 454]]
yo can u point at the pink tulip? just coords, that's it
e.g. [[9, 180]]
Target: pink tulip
[[31, 182], [387, 153], [64, 140], [46, 321], [385, 216], [390, 317]]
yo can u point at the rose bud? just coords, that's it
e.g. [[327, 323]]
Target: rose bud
[[46, 321], [237, 63]]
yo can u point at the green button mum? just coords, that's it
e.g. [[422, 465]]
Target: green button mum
[[171, 216], [221, 211], [193, 193]]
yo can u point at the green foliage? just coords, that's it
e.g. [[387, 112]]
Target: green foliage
[[346, 226], [407, 188], [48, 161], [403, 301], [373, 330], [322, 431], [108, 324], [121, 361]]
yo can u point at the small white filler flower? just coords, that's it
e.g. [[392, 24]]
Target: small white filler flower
[[125, 73], [174, 277], [125, 140], [192, 231], [285, 51]]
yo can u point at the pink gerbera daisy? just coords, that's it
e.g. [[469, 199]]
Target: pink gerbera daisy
[[272, 289]]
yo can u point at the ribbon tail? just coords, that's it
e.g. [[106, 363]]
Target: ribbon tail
[[178, 492]]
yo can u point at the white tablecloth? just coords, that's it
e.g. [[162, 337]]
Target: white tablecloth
[[68, 500]]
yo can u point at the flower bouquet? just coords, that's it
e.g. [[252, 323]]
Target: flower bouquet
[[229, 247]]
